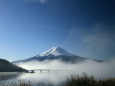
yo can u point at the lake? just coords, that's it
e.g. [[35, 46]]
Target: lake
[[44, 78]]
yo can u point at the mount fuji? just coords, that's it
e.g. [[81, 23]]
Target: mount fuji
[[56, 53]]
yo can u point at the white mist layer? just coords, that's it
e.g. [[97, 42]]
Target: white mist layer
[[99, 70]]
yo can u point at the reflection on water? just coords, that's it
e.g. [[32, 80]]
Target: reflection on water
[[5, 76], [44, 78]]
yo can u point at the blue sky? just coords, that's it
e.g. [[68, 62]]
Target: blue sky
[[82, 27]]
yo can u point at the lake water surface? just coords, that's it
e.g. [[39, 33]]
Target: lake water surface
[[44, 78]]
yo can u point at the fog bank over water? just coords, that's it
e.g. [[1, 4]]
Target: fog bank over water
[[103, 69]]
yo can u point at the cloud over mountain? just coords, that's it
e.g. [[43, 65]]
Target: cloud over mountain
[[100, 70]]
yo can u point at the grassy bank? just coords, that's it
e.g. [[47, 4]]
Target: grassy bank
[[86, 80], [73, 80]]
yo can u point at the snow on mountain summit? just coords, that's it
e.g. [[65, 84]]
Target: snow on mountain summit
[[56, 51]]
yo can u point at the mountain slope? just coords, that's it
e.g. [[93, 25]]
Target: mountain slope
[[56, 53], [6, 66]]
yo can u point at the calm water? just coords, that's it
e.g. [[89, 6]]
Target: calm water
[[45, 78]]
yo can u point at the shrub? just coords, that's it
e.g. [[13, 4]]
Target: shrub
[[84, 80], [73, 80], [106, 82]]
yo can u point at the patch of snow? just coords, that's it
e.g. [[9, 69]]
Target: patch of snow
[[56, 51]]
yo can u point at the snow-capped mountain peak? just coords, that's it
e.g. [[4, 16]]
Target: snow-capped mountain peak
[[56, 51]]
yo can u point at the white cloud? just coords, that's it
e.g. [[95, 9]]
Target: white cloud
[[99, 70]]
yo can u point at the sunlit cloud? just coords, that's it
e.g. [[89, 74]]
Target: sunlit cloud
[[104, 69]]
